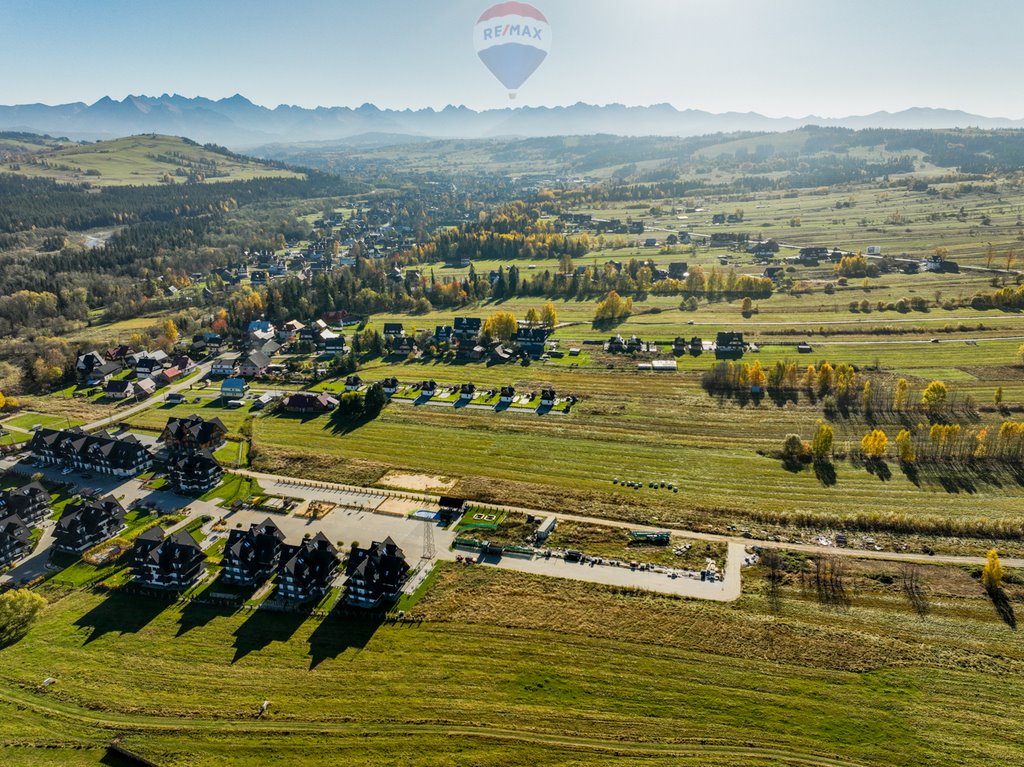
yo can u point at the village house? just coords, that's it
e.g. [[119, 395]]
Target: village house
[[289, 331], [547, 397], [119, 353], [443, 334], [86, 523], [193, 432], [195, 472], [119, 389], [117, 456], [101, 374], [251, 556], [253, 364], [15, 539], [30, 502], [467, 328], [145, 388], [352, 383], [729, 345], [389, 385], [233, 388], [532, 338], [147, 363], [167, 376], [506, 395], [376, 574], [428, 388], [225, 368], [87, 361], [306, 571], [309, 402], [393, 329], [678, 270], [166, 561], [184, 363], [402, 345]]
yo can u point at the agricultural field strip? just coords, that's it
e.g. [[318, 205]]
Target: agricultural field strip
[[62, 710]]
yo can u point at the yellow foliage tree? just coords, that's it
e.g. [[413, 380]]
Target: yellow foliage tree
[[549, 315], [905, 447], [899, 395], [533, 316], [758, 378], [826, 377], [933, 399], [821, 443], [501, 326], [874, 443], [992, 572]]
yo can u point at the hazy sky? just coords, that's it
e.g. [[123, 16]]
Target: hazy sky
[[787, 57]]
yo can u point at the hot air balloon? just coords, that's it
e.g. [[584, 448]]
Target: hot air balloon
[[512, 39]]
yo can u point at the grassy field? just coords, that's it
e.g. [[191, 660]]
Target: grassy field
[[137, 161], [572, 674]]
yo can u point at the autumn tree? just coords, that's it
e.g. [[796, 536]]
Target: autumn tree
[[899, 395], [549, 316], [905, 447], [821, 443], [19, 609], [997, 398], [826, 378], [933, 398], [874, 444], [794, 450], [758, 378], [3, 401], [747, 307], [992, 572], [613, 307], [171, 331], [501, 326], [532, 316]]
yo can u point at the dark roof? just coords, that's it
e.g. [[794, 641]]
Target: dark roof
[[310, 401], [84, 519], [256, 358], [120, 452], [24, 500], [450, 502], [193, 429], [311, 564]]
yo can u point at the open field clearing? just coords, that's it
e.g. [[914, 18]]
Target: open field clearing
[[139, 161], [582, 669]]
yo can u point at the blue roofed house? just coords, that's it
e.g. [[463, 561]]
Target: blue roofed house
[[233, 388]]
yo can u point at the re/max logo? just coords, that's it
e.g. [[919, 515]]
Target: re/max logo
[[512, 30]]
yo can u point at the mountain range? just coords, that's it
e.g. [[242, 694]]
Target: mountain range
[[240, 124]]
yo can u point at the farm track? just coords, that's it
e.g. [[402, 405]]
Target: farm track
[[128, 724]]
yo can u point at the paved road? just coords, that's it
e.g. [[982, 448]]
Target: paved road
[[154, 400]]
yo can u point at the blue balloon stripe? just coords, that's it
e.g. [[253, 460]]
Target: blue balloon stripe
[[512, 63]]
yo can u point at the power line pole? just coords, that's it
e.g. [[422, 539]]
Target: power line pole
[[429, 550]]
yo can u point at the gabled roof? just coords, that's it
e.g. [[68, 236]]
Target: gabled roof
[[256, 359]]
